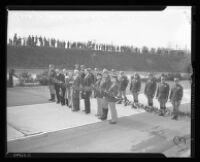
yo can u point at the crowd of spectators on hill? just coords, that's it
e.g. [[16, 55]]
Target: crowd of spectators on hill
[[39, 41]]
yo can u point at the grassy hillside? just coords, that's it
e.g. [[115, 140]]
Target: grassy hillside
[[40, 57]]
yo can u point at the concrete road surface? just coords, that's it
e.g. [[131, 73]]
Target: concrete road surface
[[142, 132], [48, 127]]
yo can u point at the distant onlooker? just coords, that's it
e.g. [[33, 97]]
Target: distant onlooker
[[10, 80]]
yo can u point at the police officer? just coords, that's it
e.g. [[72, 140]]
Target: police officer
[[87, 89], [112, 93], [51, 83], [123, 83], [76, 87], [176, 95], [135, 88], [104, 86], [98, 94], [162, 95], [150, 89]]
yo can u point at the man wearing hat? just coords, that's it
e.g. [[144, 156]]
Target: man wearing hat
[[51, 77], [104, 86], [135, 88], [123, 83], [150, 89], [162, 95], [87, 89], [176, 95], [98, 94]]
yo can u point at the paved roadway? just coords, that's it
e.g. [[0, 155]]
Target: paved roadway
[[135, 132]]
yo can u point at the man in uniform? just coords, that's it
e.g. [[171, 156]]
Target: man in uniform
[[123, 83], [76, 87], [87, 89], [104, 86], [162, 95], [135, 88], [51, 77], [176, 95], [150, 89]]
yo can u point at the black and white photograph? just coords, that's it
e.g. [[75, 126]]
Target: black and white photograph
[[99, 81]]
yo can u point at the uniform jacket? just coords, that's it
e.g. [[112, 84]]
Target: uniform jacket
[[150, 88], [98, 93], [176, 93], [105, 83], [123, 83], [58, 79], [113, 91], [163, 91], [135, 85], [51, 76], [76, 86]]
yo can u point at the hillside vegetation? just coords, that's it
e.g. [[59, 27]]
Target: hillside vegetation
[[41, 57]]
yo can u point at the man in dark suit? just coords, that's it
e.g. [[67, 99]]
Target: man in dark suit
[[150, 89], [135, 89], [58, 85], [123, 83], [87, 89]]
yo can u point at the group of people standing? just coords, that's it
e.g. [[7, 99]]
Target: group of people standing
[[109, 88]]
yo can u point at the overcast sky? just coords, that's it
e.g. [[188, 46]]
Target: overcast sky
[[168, 28]]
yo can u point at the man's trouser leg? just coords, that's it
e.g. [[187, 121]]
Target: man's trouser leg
[[57, 88], [99, 106], [150, 101], [70, 97], [162, 107], [176, 105], [87, 102], [52, 92], [104, 109], [76, 103], [113, 111], [63, 89], [124, 95], [135, 98]]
